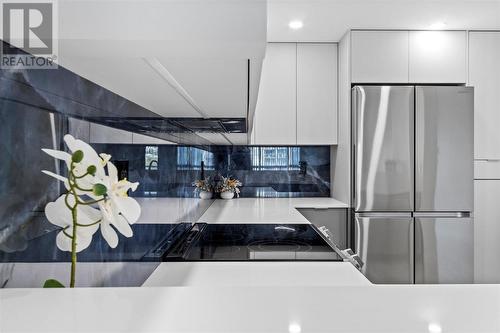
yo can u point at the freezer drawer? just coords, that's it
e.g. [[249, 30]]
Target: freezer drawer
[[385, 245], [444, 148], [444, 250], [383, 139]]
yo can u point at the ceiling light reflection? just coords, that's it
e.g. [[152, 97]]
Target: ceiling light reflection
[[435, 328]]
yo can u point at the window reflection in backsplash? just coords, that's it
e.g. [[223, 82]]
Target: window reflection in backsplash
[[169, 170]]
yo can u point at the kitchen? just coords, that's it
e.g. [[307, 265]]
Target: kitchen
[[355, 143]]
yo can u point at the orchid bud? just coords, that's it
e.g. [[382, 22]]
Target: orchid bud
[[91, 170], [77, 156], [99, 189]]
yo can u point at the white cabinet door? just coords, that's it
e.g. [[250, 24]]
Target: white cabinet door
[[379, 56], [316, 94], [486, 231], [275, 113], [438, 57], [484, 76]]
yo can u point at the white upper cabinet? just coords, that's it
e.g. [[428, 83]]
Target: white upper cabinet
[[379, 56], [484, 76], [316, 94], [275, 114], [297, 102], [438, 57]]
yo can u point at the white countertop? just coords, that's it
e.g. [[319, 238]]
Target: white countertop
[[211, 274], [468, 308], [264, 210], [171, 210]]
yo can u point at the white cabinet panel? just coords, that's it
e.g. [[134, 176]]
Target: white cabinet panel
[[316, 94], [379, 56], [487, 169], [105, 134], [438, 57], [486, 231], [275, 115], [484, 76], [80, 129]]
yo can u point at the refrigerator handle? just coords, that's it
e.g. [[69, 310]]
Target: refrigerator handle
[[387, 215], [354, 137], [442, 214]]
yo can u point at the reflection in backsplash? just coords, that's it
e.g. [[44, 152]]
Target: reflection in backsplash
[[169, 170]]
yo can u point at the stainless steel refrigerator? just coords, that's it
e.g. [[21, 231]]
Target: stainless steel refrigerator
[[413, 183]]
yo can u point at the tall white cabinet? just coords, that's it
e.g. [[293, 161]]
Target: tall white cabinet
[[484, 76], [297, 102]]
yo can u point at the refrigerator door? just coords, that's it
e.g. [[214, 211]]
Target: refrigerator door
[[384, 242], [444, 249], [383, 139], [444, 148]]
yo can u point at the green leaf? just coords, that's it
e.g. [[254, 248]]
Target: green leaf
[[99, 189], [77, 156], [91, 170], [52, 283]]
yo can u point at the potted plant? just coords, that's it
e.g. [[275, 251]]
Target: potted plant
[[204, 187], [95, 199], [227, 187]]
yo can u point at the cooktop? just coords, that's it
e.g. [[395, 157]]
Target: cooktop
[[246, 242]]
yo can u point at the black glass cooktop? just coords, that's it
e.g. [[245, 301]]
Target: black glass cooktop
[[242, 242]]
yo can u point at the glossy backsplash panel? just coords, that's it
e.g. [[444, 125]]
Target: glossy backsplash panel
[[169, 170]]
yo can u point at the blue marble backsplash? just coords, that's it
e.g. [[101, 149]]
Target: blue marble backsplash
[[170, 170]]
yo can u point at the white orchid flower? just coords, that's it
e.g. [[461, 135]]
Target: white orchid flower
[[118, 209], [90, 158], [88, 222]]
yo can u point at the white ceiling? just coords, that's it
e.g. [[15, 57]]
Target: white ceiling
[[328, 20]]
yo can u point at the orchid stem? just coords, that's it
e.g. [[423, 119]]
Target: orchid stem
[[75, 225], [73, 249]]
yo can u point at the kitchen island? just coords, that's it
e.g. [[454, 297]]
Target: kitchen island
[[251, 296], [290, 309]]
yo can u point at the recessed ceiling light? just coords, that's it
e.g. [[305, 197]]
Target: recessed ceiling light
[[295, 25], [438, 25]]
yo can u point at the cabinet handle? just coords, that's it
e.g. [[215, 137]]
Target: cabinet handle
[[487, 159]]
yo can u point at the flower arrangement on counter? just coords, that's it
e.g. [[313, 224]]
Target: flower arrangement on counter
[[204, 187], [96, 199], [228, 187]]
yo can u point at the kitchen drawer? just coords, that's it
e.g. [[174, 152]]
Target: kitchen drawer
[[487, 169]]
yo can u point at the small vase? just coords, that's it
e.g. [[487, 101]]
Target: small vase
[[205, 195], [227, 195]]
